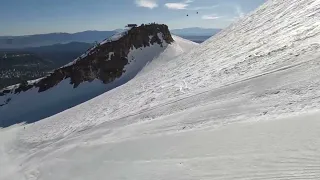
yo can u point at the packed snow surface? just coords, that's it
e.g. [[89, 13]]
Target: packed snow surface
[[280, 149], [243, 105]]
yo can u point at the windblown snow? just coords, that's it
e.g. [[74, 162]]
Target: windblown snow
[[243, 105]]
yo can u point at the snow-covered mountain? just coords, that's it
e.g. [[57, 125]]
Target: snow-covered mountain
[[109, 64], [242, 105]]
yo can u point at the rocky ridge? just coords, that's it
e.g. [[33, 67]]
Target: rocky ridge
[[105, 61]]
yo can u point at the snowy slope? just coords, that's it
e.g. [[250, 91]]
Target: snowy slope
[[255, 46], [239, 106], [281, 149], [32, 105]]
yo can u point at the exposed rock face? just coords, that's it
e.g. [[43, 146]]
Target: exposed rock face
[[105, 62]]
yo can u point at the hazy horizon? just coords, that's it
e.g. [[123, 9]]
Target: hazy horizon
[[19, 17], [93, 31]]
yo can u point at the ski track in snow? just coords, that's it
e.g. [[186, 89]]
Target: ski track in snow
[[242, 105], [279, 149]]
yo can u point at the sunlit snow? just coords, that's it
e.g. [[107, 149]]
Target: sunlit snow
[[243, 105]]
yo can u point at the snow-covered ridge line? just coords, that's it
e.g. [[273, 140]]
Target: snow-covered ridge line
[[114, 37]]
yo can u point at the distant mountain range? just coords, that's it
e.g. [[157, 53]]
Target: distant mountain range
[[72, 46], [19, 42], [60, 54], [14, 42]]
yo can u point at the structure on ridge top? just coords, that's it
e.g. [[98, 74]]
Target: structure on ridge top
[[131, 25]]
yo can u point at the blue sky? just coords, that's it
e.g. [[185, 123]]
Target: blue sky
[[23, 17]]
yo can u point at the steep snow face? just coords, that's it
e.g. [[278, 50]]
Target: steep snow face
[[32, 105], [262, 44], [170, 54], [197, 116], [276, 36]]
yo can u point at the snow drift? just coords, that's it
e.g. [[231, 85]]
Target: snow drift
[[103, 67]]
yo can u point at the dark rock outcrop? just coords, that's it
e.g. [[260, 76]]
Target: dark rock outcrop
[[97, 64]]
